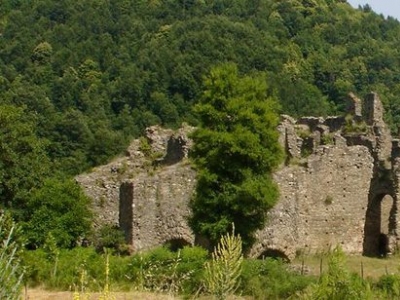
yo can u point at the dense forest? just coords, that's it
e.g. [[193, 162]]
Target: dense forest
[[80, 79]]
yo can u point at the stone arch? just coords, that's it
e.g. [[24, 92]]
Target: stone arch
[[380, 223], [274, 253], [176, 244]]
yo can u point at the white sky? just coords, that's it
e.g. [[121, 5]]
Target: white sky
[[385, 7]]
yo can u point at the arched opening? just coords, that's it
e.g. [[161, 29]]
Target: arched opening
[[379, 225], [176, 244], [275, 254]]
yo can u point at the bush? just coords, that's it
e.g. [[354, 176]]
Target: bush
[[192, 263], [59, 208], [270, 279], [111, 237], [162, 270], [70, 263], [389, 285]]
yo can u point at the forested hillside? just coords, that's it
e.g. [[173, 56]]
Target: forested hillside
[[80, 78]]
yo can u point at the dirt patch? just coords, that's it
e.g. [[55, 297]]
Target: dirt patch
[[40, 294]]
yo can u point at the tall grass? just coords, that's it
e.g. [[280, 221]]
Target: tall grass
[[338, 283], [11, 272]]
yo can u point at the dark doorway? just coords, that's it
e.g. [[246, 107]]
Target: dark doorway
[[176, 244], [275, 254], [379, 225], [383, 247]]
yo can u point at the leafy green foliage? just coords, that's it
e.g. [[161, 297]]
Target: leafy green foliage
[[235, 149], [23, 160], [111, 237], [389, 285], [271, 279], [160, 270], [58, 208], [11, 271], [40, 269]]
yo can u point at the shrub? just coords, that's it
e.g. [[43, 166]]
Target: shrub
[[389, 285], [111, 237], [162, 270], [70, 264], [327, 139], [270, 279], [59, 208], [192, 264]]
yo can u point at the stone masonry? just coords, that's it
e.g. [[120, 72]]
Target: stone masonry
[[338, 173]]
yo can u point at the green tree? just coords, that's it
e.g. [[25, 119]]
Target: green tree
[[23, 160], [235, 150], [59, 208]]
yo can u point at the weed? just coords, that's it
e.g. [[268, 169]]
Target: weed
[[123, 168], [328, 200], [338, 283], [354, 127], [327, 139], [102, 201], [303, 133], [106, 293], [144, 146], [11, 272], [223, 271]]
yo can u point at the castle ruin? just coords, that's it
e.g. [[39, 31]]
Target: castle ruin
[[338, 186]]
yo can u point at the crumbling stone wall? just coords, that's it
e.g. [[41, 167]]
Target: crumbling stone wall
[[153, 209], [323, 203], [337, 171], [160, 147]]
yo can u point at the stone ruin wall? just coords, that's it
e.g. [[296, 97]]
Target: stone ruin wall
[[153, 209], [332, 184], [322, 204]]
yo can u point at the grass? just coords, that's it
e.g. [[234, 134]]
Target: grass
[[366, 267], [163, 274]]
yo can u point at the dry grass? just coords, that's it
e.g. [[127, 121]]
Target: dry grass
[[40, 294], [363, 266]]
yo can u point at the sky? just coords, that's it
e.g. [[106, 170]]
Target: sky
[[385, 7]]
